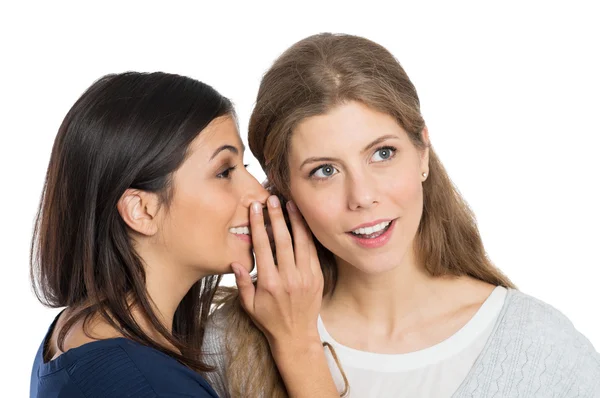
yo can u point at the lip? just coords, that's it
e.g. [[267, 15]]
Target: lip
[[245, 238], [377, 242], [370, 224]]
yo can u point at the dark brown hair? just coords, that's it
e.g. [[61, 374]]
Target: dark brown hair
[[311, 78], [129, 130]]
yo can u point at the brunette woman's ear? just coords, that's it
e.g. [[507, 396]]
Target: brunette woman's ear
[[139, 210]]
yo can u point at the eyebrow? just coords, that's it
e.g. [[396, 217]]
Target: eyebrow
[[367, 148], [229, 148]]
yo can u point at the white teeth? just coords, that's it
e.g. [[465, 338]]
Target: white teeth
[[373, 229], [240, 230]]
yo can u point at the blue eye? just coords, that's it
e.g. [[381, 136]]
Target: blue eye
[[324, 171], [383, 154]]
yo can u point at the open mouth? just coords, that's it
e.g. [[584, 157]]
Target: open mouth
[[372, 232], [242, 233], [374, 236], [240, 230]]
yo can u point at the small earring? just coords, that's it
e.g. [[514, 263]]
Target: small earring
[[424, 175]]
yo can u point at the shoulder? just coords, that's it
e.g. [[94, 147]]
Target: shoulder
[[216, 334], [214, 350], [536, 320], [120, 367], [165, 374], [216, 324], [236, 349], [534, 339]]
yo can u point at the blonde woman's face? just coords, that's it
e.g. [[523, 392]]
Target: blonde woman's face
[[357, 179]]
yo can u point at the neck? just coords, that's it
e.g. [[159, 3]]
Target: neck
[[166, 285], [398, 294]]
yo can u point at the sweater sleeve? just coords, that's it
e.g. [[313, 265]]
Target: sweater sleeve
[[566, 359], [214, 351], [534, 351], [582, 375]]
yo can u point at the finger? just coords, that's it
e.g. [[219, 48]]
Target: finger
[[301, 238], [265, 266], [245, 287], [284, 249]]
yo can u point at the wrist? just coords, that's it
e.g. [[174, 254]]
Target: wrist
[[296, 349], [304, 361]]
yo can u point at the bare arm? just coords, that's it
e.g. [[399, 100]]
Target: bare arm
[[286, 301], [305, 372]]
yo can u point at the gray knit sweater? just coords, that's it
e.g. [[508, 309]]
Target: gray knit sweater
[[533, 351]]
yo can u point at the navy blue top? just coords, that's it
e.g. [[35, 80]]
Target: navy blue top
[[116, 367]]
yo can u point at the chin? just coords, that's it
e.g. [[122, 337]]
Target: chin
[[375, 268], [374, 264], [247, 262], [248, 266]]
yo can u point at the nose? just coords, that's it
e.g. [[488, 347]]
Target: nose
[[253, 191], [362, 191]]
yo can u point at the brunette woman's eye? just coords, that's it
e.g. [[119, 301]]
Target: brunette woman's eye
[[226, 173]]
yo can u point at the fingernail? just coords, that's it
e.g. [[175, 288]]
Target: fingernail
[[256, 207], [291, 206], [273, 201]]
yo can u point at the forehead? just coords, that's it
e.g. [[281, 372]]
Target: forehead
[[345, 127], [221, 131]]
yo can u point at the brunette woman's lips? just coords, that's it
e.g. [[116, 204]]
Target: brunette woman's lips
[[242, 232], [375, 239]]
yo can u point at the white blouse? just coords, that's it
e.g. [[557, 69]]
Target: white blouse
[[435, 371]]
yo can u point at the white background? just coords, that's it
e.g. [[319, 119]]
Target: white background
[[510, 92]]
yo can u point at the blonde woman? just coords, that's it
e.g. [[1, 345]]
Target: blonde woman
[[412, 306]]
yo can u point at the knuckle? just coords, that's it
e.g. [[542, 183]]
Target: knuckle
[[292, 285], [307, 285], [271, 285]]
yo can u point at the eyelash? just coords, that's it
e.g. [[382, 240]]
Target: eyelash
[[226, 174], [392, 149]]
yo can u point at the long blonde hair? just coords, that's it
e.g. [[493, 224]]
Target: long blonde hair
[[310, 78]]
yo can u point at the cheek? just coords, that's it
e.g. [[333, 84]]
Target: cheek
[[402, 183], [317, 217], [406, 191], [198, 217], [321, 208]]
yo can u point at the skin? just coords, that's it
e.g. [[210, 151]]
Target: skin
[[354, 165], [190, 237], [286, 300]]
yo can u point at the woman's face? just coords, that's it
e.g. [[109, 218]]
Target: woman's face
[[206, 224], [357, 179]]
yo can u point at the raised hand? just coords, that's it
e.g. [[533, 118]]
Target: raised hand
[[286, 300]]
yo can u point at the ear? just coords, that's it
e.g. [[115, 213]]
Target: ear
[[139, 210], [425, 152]]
